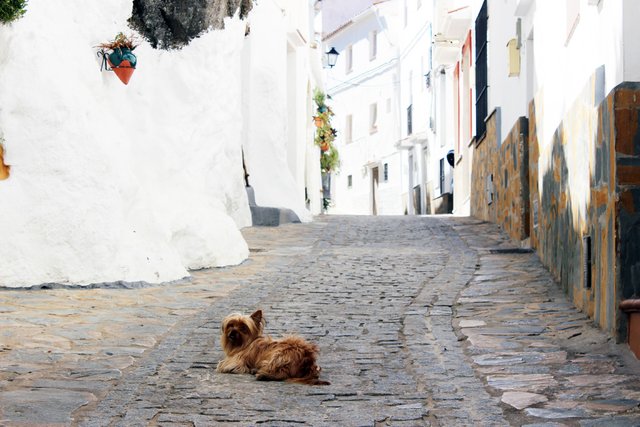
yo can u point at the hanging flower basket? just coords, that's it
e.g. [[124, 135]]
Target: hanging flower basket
[[117, 56], [325, 135], [123, 63]]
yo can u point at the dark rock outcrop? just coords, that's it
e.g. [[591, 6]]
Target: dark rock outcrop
[[171, 24]]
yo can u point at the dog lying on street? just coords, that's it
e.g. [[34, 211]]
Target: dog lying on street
[[248, 351]]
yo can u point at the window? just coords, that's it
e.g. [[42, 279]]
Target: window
[[409, 120], [350, 181], [482, 84], [373, 118], [385, 172], [349, 59], [348, 129], [373, 45]]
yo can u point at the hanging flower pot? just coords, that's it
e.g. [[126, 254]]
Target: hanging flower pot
[[318, 120], [121, 59], [124, 71], [324, 146]]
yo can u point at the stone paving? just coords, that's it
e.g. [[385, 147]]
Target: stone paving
[[420, 321]]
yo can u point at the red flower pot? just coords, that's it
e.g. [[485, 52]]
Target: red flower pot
[[124, 71]]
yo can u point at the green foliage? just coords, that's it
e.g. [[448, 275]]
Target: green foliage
[[325, 134], [330, 160], [318, 97], [10, 10]]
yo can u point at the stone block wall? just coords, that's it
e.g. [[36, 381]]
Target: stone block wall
[[576, 195], [589, 238], [500, 183], [513, 177], [572, 197], [626, 110], [484, 172]]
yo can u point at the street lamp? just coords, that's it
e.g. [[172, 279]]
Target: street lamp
[[332, 57]]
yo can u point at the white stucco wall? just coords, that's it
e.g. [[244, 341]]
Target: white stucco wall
[[112, 182], [563, 65], [631, 34], [268, 72], [505, 92]]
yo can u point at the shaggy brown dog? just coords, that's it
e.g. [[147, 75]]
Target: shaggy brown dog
[[249, 352]]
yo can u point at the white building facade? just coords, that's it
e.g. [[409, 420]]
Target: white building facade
[[384, 111]]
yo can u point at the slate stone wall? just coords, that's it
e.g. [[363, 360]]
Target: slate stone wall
[[626, 110], [577, 197], [484, 172], [500, 178]]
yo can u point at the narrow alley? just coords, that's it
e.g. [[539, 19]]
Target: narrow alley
[[419, 320]]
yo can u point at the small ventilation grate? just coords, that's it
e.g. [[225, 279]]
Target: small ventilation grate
[[586, 261]]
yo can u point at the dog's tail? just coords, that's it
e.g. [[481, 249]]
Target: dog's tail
[[308, 381], [312, 377]]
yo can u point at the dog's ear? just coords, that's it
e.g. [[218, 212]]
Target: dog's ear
[[257, 317]]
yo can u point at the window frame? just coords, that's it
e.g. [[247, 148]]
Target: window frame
[[348, 129], [373, 118], [373, 45]]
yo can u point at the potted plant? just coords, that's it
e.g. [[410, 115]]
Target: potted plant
[[325, 135], [118, 54], [329, 160]]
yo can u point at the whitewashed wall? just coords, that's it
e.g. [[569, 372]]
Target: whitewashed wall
[[112, 182], [563, 65], [274, 155]]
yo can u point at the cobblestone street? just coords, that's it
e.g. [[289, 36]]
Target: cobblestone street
[[420, 321]]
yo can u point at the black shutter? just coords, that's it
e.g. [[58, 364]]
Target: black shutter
[[481, 71]]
